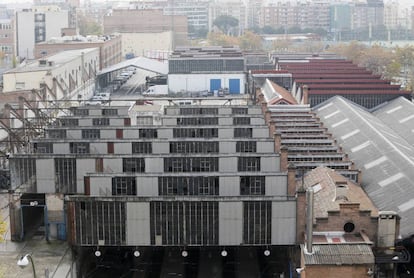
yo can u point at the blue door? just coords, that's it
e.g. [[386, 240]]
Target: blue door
[[234, 86], [215, 84]]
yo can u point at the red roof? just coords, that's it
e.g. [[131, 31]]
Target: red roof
[[334, 75], [353, 86], [341, 81], [358, 92]]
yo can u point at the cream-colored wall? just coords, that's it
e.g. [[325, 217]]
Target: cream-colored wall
[[142, 43], [30, 79]]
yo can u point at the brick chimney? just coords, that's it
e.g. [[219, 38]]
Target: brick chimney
[[283, 159], [291, 179], [300, 215], [305, 94], [277, 136]]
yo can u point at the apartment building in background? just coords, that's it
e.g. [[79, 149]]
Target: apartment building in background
[[37, 25]]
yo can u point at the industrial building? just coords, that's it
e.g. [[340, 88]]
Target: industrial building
[[194, 179], [317, 80], [212, 69]]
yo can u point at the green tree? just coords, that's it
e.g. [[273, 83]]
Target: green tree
[[88, 27], [226, 23]]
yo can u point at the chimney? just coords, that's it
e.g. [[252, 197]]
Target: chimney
[[283, 159], [277, 136], [268, 117], [272, 130], [305, 94], [341, 190], [291, 179], [264, 107], [309, 220], [300, 214], [387, 228]]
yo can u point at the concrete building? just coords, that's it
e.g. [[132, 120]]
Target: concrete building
[[211, 69], [147, 21], [196, 177], [68, 75], [235, 8], [38, 25], [110, 47], [311, 14], [7, 32]]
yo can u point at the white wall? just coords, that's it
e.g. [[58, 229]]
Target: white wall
[[201, 82]]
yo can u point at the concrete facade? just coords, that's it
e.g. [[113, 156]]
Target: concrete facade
[[64, 76], [110, 48], [38, 25]]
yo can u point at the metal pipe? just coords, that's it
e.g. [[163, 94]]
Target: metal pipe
[[309, 220]]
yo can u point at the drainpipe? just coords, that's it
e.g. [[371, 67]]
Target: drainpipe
[[309, 221]]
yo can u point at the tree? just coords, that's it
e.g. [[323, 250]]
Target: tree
[[226, 23], [250, 41], [87, 27], [221, 39], [269, 30]]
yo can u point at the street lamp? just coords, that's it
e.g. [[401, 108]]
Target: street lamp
[[24, 261]]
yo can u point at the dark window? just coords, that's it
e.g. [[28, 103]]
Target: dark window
[[97, 222], [188, 185], [197, 121], [195, 132], [133, 164], [246, 146], [68, 122], [250, 164], [243, 132], [65, 175], [56, 133], [257, 219], [91, 133], [194, 147], [141, 147], [100, 121], [168, 218], [191, 164], [43, 147], [252, 185], [241, 121], [148, 133], [239, 110], [109, 112], [79, 147], [198, 111], [81, 112], [124, 186]]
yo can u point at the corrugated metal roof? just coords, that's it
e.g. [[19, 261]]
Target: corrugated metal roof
[[139, 62], [385, 158], [334, 254], [399, 115]]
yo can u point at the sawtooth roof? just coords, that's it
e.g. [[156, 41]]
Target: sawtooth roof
[[385, 157]]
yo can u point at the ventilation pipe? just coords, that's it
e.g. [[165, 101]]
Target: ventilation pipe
[[309, 220]]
